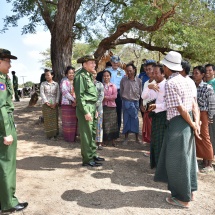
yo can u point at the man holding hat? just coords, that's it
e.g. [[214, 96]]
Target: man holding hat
[[86, 98], [8, 139], [116, 76], [177, 161]]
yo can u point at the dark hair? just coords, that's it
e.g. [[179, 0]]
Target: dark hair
[[160, 66], [209, 64], [134, 67], [69, 68], [108, 64], [106, 71], [186, 66], [200, 68], [13, 72], [151, 63], [46, 70], [51, 72]]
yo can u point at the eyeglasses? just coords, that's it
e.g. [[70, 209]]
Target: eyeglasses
[[9, 61]]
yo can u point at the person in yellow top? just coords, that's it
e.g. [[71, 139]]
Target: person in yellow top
[[86, 98], [8, 139]]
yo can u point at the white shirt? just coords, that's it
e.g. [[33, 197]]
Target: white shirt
[[192, 85], [159, 96], [145, 95]]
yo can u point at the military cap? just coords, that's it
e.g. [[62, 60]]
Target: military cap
[[115, 59], [86, 58], [4, 53]]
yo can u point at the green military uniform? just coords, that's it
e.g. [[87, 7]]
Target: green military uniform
[[86, 98], [7, 152], [15, 87]]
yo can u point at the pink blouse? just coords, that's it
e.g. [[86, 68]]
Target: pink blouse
[[110, 94], [67, 90]]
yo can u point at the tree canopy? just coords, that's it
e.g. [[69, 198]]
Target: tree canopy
[[186, 26]]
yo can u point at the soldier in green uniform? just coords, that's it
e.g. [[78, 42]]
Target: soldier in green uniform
[[15, 86], [86, 97], [8, 140]]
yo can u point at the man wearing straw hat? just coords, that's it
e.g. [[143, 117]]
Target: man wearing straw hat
[[177, 161]]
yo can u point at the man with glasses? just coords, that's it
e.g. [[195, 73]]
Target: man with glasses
[[8, 140]]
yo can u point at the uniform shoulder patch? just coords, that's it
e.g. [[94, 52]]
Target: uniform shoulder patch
[[2, 86]]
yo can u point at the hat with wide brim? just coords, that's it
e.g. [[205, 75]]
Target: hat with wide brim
[[4, 53], [86, 58], [173, 61]]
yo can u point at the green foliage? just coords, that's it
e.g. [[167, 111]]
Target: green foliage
[[29, 84], [190, 30]]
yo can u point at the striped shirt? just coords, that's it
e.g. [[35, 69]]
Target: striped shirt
[[206, 98], [178, 93]]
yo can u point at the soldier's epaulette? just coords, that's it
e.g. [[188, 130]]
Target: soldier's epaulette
[[2, 76]]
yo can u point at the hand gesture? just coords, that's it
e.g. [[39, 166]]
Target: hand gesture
[[88, 117], [152, 107]]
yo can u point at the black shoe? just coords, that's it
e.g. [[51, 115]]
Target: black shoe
[[92, 164], [19, 207], [98, 159]]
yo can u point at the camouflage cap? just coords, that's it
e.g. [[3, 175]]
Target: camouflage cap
[[4, 53], [86, 58]]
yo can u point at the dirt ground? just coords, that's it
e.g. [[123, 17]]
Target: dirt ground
[[51, 178]]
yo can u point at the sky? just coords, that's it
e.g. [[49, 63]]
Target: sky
[[26, 47]]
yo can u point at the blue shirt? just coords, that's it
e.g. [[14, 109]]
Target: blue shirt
[[116, 75], [143, 76]]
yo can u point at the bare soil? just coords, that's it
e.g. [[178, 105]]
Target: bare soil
[[51, 178]]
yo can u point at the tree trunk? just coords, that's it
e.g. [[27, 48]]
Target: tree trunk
[[62, 36]]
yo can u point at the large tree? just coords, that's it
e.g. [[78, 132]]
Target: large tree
[[159, 25]]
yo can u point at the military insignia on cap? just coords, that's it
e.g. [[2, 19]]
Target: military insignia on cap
[[86, 58], [2, 87]]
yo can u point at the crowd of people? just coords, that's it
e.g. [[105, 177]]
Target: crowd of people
[[177, 109], [174, 105]]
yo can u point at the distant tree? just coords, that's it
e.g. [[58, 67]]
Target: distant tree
[[28, 84]]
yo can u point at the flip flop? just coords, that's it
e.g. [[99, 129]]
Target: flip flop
[[175, 202]]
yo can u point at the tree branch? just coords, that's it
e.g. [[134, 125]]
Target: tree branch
[[45, 14], [106, 43], [148, 46], [119, 2]]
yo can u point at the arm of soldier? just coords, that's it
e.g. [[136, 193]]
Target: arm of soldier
[[42, 94], [80, 87], [183, 112], [5, 129]]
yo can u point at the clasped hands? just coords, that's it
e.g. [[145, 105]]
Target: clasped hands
[[89, 117]]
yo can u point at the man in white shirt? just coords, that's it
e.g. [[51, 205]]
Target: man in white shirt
[[158, 114]]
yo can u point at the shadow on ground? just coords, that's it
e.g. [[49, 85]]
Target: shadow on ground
[[112, 199]]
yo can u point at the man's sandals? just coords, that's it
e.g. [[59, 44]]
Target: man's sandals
[[175, 202]]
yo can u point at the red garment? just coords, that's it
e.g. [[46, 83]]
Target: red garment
[[147, 127], [204, 148]]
